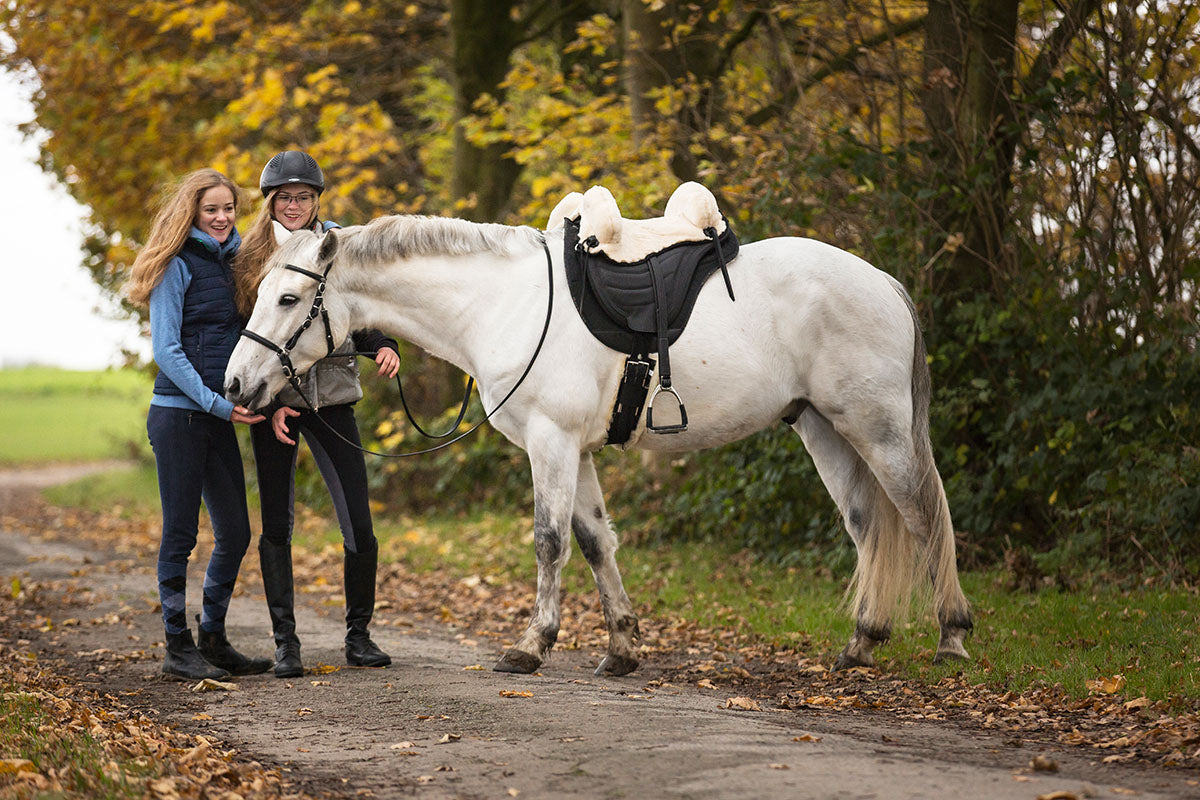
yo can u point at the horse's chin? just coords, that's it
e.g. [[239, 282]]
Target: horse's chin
[[254, 400]]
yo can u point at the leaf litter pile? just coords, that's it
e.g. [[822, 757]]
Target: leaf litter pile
[[742, 673]]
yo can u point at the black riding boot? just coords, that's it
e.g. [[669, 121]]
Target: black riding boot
[[359, 573], [217, 651], [276, 562], [185, 661]]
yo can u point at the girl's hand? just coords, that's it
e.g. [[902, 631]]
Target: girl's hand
[[280, 426], [245, 416], [388, 361]]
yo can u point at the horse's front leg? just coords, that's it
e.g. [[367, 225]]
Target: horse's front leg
[[554, 458], [598, 543]]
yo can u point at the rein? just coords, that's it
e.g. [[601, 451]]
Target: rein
[[318, 310]]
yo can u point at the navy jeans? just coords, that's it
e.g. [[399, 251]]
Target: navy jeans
[[341, 466], [197, 456]]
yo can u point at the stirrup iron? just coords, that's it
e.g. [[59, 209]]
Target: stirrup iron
[[683, 422]]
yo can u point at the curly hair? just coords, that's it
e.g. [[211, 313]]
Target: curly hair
[[174, 219]]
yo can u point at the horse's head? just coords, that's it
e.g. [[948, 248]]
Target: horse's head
[[287, 326]]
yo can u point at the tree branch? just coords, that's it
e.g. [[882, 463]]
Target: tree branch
[[1056, 45], [842, 62], [550, 23], [738, 37]]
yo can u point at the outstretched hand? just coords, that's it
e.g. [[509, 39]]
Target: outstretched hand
[[280, 426], [388, 361], [245, 416]]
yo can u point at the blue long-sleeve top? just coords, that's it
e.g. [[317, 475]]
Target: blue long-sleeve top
[[166, 320]]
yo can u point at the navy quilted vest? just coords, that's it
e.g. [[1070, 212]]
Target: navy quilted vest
[[211, 323]]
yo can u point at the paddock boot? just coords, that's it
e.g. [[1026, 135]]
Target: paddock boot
[[359, 574], [217, 651], [276, 563], [186, 662]]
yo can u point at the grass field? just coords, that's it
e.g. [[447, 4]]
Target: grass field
[[49, 414]]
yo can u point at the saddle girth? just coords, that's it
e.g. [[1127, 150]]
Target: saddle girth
[[642, 308]]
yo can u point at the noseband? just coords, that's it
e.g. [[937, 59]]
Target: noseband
[[318, 309]]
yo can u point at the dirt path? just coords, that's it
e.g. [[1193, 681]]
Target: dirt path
[[435, 725]]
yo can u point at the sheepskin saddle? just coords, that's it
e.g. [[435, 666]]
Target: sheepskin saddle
[[635, 281]]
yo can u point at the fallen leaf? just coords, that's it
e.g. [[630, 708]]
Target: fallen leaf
[[512, 693], [10, 766], [513, 792], [209, 685], [1106, 685], [449, 737], [402, 745], [779, 766], [806, 737], [202, 717], [705, 683], [197, 753], [162, 786], [476, 667], [744, 703], [1062, 794], [303, 712], [1042, 763], [320, 683]]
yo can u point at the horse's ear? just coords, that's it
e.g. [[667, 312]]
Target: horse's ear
[[329, 246]]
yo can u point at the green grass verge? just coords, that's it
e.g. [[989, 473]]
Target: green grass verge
[[28, 733], [128, 492], [52, 414]]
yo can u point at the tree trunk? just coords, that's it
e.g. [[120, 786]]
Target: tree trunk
[[968, 103], [483, 37], [654, 61]]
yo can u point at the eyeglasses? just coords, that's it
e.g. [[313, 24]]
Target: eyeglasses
[[303, 200]]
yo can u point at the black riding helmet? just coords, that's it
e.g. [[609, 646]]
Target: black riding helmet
[[291, 166]]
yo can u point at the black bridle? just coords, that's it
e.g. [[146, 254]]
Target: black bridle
[[318, 310]]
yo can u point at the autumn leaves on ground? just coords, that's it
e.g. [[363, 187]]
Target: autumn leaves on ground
[[87, 744]]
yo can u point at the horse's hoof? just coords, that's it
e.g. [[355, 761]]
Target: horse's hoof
[[616, 665], [517, 661], [943, 657], [950, 647], [846, 660]]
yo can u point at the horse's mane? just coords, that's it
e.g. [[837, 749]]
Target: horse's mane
[[404, 236]]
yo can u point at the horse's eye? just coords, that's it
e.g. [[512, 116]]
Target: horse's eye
[[288, 300]]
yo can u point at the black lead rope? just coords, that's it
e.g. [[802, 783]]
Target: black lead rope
[[462, 409], [318, 309]]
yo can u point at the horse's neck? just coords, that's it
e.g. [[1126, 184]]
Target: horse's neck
[[452, 306]]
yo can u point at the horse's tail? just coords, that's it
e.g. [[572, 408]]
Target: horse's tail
[[928, 498]]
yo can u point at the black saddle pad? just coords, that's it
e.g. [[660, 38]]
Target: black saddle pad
[[616, 300]]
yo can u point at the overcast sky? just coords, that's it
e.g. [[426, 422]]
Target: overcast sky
[[51, 312]]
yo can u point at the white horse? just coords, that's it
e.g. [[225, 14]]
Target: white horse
[[816, 337]]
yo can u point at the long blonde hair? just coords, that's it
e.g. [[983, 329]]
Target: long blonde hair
[[258, 245], [174, 219]]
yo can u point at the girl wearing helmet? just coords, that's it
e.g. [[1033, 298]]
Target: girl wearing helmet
[[292, 183]]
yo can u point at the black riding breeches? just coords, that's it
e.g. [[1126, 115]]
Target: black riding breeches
[[341, 466]]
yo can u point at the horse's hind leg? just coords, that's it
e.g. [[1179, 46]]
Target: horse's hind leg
[[915, 487], [598, 543], [914, 534], [555, 463], [875, 527]]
